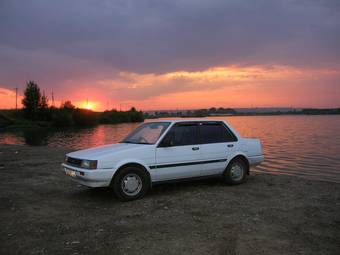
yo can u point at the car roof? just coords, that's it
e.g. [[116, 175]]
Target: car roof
[[173, 121], [186, 120]]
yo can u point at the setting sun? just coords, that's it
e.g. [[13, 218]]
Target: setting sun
[[88, 105]]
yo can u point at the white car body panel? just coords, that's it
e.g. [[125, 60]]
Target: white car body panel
[[215, 151], [177, 155], [164, 163]]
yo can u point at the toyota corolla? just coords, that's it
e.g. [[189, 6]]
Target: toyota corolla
[[165, 151]]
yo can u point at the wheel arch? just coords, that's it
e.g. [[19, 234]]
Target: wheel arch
[[242, 157], [131, 164]]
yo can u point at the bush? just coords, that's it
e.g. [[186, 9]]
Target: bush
[[114, 117], [82, 117], [67, 115], [5, 121], [62, 118], [36, 136]]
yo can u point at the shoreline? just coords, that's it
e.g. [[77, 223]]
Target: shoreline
[[23, 124], [65, 149], [26, 125], [247, 115], [42, 211]]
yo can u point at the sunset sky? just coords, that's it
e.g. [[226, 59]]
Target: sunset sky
[[178, 54]]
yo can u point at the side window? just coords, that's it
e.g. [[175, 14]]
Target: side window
[[184, 135], [215, 133]]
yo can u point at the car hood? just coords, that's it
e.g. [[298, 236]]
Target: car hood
[[97, 152]]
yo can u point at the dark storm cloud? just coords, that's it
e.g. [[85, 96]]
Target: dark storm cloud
[[64, 39]]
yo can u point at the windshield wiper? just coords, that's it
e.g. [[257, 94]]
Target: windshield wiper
[[135, 142]]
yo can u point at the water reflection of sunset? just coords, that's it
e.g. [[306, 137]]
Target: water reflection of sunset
[[291, 143]]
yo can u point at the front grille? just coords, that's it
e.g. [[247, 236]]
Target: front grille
[[74, 161]]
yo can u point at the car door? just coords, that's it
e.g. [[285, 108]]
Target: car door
[[217, 143], [178, 154]]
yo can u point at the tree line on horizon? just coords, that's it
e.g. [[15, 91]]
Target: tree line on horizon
[[213, 111], [36, 109]]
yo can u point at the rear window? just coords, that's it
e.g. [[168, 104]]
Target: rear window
[[216, 133]]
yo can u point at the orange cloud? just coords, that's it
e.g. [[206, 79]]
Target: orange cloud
[[7, 99], [233, 86], [230, 86]]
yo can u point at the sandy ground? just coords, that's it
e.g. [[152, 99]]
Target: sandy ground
[[43, 212]]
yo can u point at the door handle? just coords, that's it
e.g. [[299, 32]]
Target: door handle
[[195, 148], [230, 145]]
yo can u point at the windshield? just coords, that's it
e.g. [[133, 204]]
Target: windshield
[[147, 133]]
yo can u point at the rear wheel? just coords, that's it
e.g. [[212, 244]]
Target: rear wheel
[[236, 172], [131, 183]]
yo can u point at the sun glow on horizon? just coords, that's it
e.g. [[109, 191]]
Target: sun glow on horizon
[[229, 86], [88, 105]]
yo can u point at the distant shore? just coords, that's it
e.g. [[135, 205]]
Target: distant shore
[[42, 210], [238, 112], [14, 119], [66, 118]]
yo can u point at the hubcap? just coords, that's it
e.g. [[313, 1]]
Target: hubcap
[[236, 172], [131, 184]]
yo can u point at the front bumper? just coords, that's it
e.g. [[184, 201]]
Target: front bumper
[[89, 177]]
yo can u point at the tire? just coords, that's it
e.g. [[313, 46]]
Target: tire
[[236, 172], [131, 183]]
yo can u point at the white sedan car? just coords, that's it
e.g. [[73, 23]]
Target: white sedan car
[[164, 151]]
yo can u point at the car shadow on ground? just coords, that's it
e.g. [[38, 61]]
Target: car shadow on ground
[[187, 185], [106, 195]]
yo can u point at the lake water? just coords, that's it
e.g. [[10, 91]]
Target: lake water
[[307, 146]]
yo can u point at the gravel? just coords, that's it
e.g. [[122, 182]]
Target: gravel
[[43, 212]]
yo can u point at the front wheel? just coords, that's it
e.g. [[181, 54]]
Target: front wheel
[[236, 172], [131, 183]]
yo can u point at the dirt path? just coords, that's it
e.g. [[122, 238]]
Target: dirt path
[[43, 212]]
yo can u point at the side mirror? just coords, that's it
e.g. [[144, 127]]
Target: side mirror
[[166, 142]]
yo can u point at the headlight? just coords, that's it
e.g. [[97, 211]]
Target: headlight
[[89, 164], [66, 158]]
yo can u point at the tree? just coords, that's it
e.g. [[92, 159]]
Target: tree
[[44, 111], [43, 104], [212, 110], [67, 105], [31, 100]]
